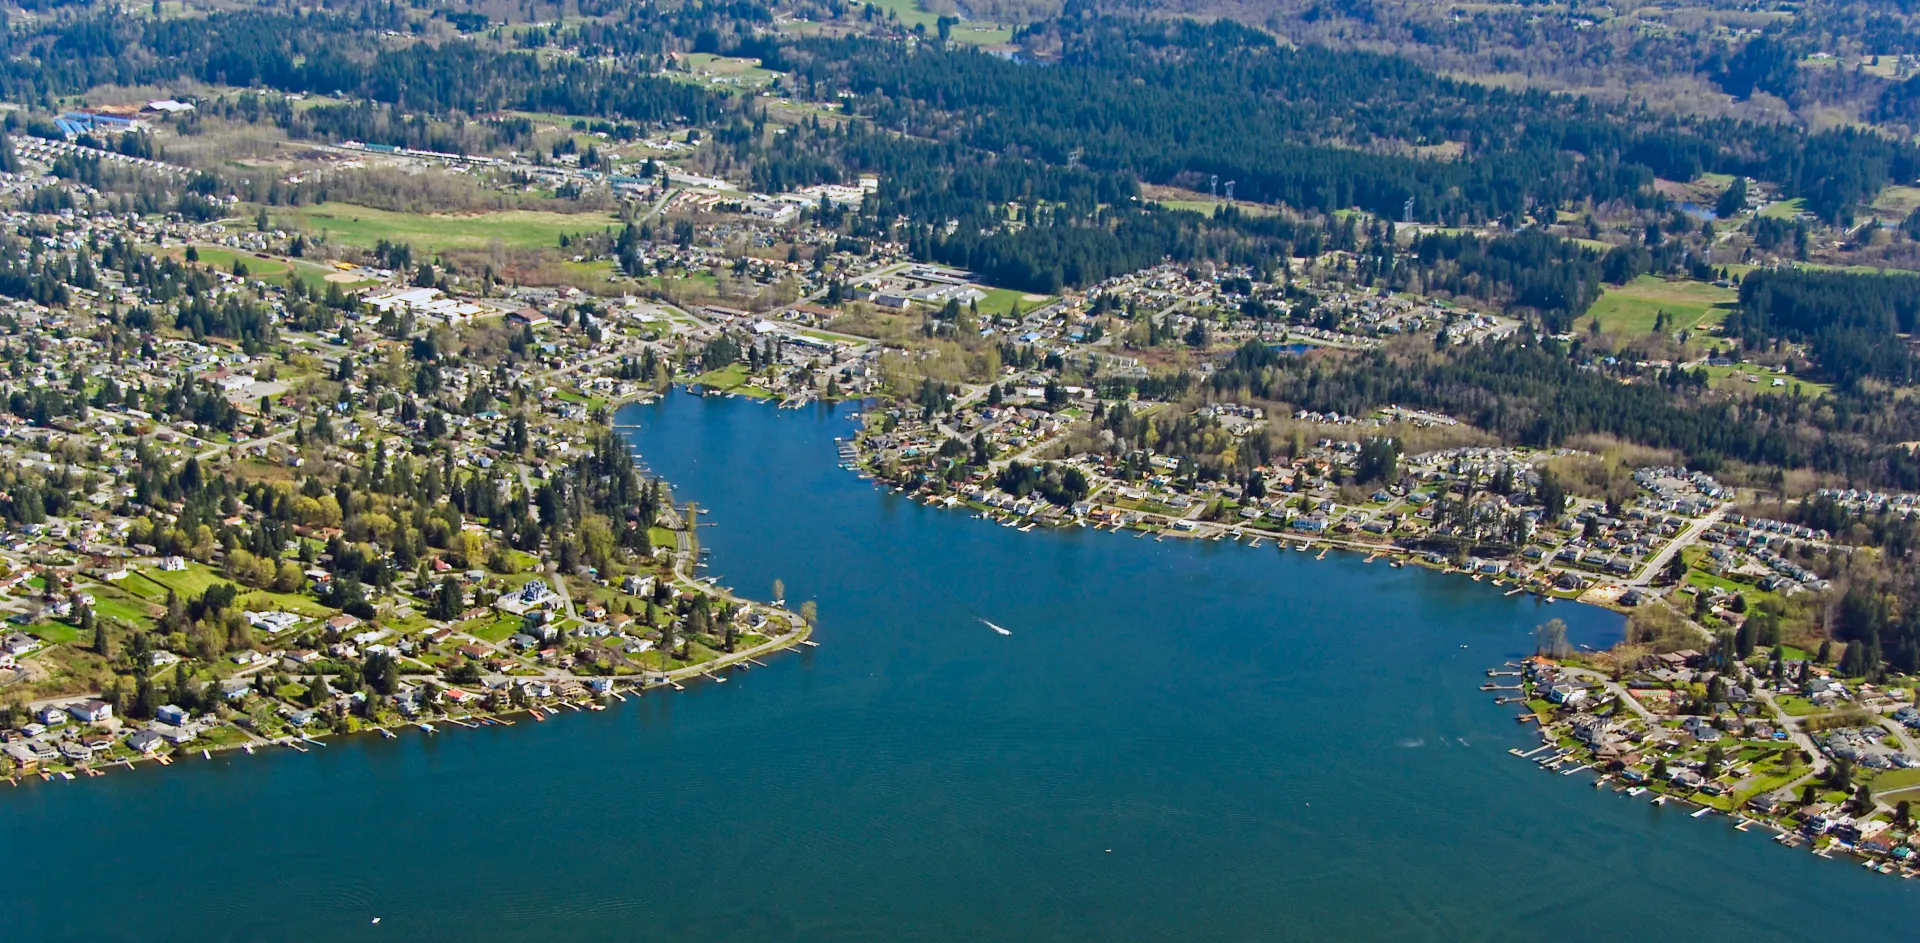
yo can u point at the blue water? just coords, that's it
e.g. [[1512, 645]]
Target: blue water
[[1179, 741], [1698, 212]]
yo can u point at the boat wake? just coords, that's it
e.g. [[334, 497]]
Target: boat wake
[[997, 628]]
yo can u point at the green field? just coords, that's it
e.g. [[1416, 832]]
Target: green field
[[1734, 377], [497, 629], [745, 72], [975, 32], [1896, 779], [259, 267], [264, 268], [519, 229], [1897, 203], [725, 378], [1632, 308], [1783, 209], [1000, 301], [1206, 207]]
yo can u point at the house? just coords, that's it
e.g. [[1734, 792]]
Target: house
[[51, 716], [171, 714], [273, 622], [636, 585], [1702, 729], [91, 712], [146, 742], [173, 564]]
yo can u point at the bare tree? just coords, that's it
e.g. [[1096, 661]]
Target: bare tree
[[1550, 639]]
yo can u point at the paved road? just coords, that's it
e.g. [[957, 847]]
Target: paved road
[[1615, 689], [1680, 541], [1799, 737], [215, 452]]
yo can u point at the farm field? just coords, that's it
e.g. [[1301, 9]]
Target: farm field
[[976, 32], [1631, 309], [1736, 376]]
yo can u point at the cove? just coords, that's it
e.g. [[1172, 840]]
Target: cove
[[1177, 741]]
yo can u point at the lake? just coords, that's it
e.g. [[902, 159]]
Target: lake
[[1178, 741]]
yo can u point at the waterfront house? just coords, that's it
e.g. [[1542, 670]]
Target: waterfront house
[[145, 742]]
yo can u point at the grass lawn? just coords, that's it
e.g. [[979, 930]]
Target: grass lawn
[[1000, 301], [1797, 706], [499, 629], [57, 633], [662, 537], [197, 578], [725, 378], [1704, 580], [1736, 378], [1892, 779], [1783, 209], [220, 736], [524, 229], [1631, 308], [974, 32], [261, 600], [124, 608], [1205, 207], [748, 71], [1897, 202], [260, 267]]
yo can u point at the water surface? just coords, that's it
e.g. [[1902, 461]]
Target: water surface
[[1177, 741]]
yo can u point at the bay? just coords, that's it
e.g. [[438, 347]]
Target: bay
[[1177, 740]]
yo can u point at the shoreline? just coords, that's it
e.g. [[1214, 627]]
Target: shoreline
[[1395, 555], [1570, 746], [681, 572], [425, 723]]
